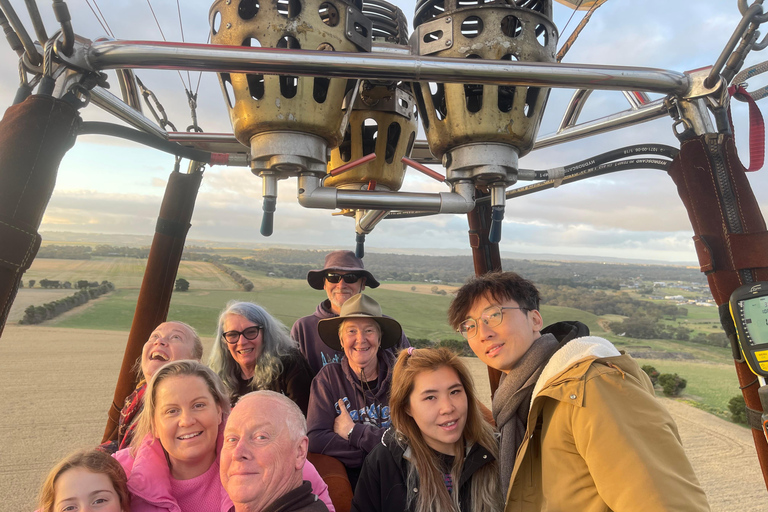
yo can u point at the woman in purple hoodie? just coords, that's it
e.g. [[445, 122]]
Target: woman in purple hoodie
[[349, 401]]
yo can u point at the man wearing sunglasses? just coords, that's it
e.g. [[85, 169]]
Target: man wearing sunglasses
[[581, 428], [342, 276]]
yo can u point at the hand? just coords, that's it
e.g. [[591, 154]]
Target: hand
[[343, 422]]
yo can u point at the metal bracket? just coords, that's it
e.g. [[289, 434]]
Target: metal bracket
[[697, 88], [433, 36], [359, 29]]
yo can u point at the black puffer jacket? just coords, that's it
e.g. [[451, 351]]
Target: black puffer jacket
[[381, 487]]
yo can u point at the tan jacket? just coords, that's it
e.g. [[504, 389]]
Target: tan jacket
[[598, 440]]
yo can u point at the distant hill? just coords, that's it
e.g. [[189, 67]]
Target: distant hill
[[67, 237]]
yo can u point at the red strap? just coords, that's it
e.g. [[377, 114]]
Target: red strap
[[756, 128]]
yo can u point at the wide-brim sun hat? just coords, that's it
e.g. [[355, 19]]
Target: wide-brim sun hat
[[360, 306], [344, 261]]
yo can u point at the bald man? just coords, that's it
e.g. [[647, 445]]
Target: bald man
[[265, 447]]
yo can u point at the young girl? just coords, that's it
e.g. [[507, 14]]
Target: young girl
[[84, 482], [440, 454]]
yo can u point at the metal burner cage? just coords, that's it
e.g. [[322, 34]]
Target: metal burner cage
[[456, 114]]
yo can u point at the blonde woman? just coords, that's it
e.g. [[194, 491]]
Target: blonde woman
[[440, 454]]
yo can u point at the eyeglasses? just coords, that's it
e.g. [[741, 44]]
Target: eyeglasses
[[250, 333], [334, 278], [491, 317]]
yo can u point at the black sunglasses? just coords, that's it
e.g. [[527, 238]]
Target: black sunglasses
[[250, 333], [348, 278]]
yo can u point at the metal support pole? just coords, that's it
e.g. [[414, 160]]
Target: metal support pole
[[485, 256], [157, 286]]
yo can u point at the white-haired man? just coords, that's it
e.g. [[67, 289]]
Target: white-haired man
[[265, 447]]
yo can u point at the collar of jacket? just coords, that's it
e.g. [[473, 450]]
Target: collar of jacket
[[476, 455], [563, 378]]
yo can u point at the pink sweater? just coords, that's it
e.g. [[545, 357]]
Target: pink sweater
[[153, 489]]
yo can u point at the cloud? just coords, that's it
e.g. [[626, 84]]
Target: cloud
[[627, 213]]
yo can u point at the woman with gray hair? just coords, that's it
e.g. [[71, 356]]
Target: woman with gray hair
[[253, 351]]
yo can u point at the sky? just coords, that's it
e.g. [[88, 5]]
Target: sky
[[108, 185]]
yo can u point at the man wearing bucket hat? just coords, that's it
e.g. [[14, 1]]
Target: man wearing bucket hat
[[349, 401], [342, 276]]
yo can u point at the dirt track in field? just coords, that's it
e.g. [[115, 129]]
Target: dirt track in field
[[58, 383]]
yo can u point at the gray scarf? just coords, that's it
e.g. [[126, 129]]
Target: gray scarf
[[512, 401]]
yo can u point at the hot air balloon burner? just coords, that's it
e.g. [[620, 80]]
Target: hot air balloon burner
[[289, 122], [479, 130], [383, 120]]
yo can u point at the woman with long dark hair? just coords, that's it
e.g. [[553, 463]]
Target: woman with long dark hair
[[440, 454]]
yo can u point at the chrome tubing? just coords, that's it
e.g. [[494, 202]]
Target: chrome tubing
[[112, 104], [227, 59], [129, 89], [367, 221], [312, 195], [649, 112]]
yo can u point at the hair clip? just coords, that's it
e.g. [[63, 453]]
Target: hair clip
[[410, 351]]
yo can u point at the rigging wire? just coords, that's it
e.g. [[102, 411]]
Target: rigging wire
[[100, 17], [166, 40], [571, 17], [577, 31], [181, 28]]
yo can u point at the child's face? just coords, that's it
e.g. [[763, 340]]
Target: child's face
[[79, 490]]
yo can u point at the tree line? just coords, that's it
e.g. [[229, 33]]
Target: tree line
[[245, 283], [49, 310]]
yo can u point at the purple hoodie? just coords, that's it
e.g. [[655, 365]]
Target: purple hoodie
[[317, 353], [369, 410]]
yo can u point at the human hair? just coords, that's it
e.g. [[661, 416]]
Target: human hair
[[276, 343], [182, 368], [294, 418], [433, 495], [91, 460], [197, 349], [500, 286]]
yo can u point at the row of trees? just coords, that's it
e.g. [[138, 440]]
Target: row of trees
[[246, 284], [49, 310], [67, 285], [647, 327], [460, 347], [86, 252], [600, 302]]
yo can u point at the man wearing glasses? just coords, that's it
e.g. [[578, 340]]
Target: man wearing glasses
[[342, 276], [581, 428]]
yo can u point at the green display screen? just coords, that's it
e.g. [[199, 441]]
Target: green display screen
[[755, 316]]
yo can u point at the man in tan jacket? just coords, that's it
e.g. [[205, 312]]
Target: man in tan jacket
[[581, 429]]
